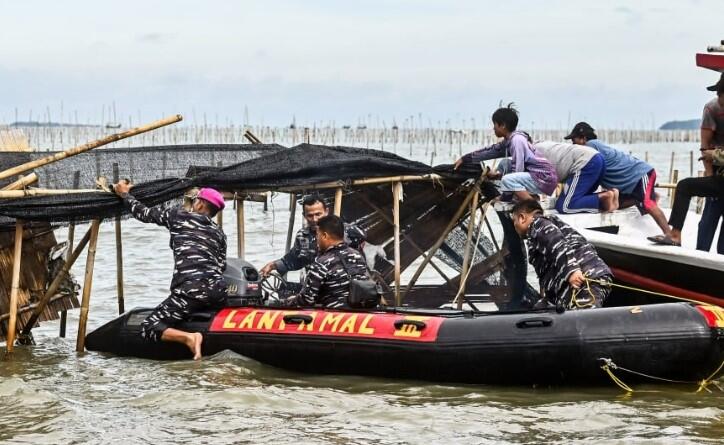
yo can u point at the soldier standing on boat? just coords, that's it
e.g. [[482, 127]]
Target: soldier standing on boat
[[712, 136], [571, 274], [305, 248], [199, 253]]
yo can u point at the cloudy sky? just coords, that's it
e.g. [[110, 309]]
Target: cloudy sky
[[612, 62]]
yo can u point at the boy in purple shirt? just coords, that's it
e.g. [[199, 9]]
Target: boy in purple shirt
[[531, 174]]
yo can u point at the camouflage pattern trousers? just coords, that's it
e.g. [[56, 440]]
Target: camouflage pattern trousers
[[182, 302]]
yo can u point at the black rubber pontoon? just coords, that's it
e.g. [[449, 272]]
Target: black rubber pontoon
[[674, 340]]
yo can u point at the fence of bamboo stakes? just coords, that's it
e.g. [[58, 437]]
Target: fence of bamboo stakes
[[93, 235]]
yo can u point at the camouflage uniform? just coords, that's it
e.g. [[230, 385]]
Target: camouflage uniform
[[305, 249], [199, 253], [556, 250], [327, 282]]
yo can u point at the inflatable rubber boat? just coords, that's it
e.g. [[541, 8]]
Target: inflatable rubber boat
[[676, 341]]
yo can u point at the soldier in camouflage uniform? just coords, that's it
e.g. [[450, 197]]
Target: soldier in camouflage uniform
[[199, 251], [571, 273], [328, 279], [305, 249]]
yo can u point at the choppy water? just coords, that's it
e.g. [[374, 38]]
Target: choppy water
[[52, 395]]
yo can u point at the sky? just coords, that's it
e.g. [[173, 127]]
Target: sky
[[615, 63]]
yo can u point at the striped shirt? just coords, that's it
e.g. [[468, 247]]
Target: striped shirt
[[198, 244], [556, 250], [327, 282]]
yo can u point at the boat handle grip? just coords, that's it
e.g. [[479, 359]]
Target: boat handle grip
[[416, 323], [534, 323], [298, 319]]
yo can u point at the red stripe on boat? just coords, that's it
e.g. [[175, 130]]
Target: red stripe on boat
[[657, 286], [338, 324]]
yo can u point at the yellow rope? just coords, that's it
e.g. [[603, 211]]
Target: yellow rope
[[608, 365], [660, 294], [707, 381], [616, 380]]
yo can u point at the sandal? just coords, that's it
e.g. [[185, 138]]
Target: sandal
[[663, 240]]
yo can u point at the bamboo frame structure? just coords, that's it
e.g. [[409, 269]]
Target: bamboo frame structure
[[87, 285], [53, 287], [15, 287], [89, 146], [453, 222], [396, 197], [412, 243]]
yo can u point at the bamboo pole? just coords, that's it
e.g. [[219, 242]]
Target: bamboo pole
[[292, 216], [240, 229], [453, 222], [364, 181], [22, 182], [89, 146], [14, 287], [71, 235], [338, 201], [13, 194], [674, 181], [119, 253], [466, 255], [55, 284], [87, 284], [396, 196], [671, 173]]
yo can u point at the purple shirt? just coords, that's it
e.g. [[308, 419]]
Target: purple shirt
[[523, 157]]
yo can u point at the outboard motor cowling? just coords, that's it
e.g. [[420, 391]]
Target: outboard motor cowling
[[243, 283]]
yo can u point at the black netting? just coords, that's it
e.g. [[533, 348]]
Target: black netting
[[267, 168]]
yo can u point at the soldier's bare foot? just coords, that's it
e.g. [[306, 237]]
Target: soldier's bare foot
[[195, 346]]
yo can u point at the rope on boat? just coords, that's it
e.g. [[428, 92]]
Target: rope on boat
[[638, 289], [609, 366]]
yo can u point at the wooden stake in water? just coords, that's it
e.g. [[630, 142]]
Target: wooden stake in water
[[292, 216], [119, 253], [71, 235], [240, 228], [396, 196], [87, 285], [15, 287]]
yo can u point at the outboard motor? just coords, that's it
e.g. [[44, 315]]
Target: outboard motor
[[244, 283]]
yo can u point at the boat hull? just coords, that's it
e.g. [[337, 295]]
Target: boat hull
[[672, 341]]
